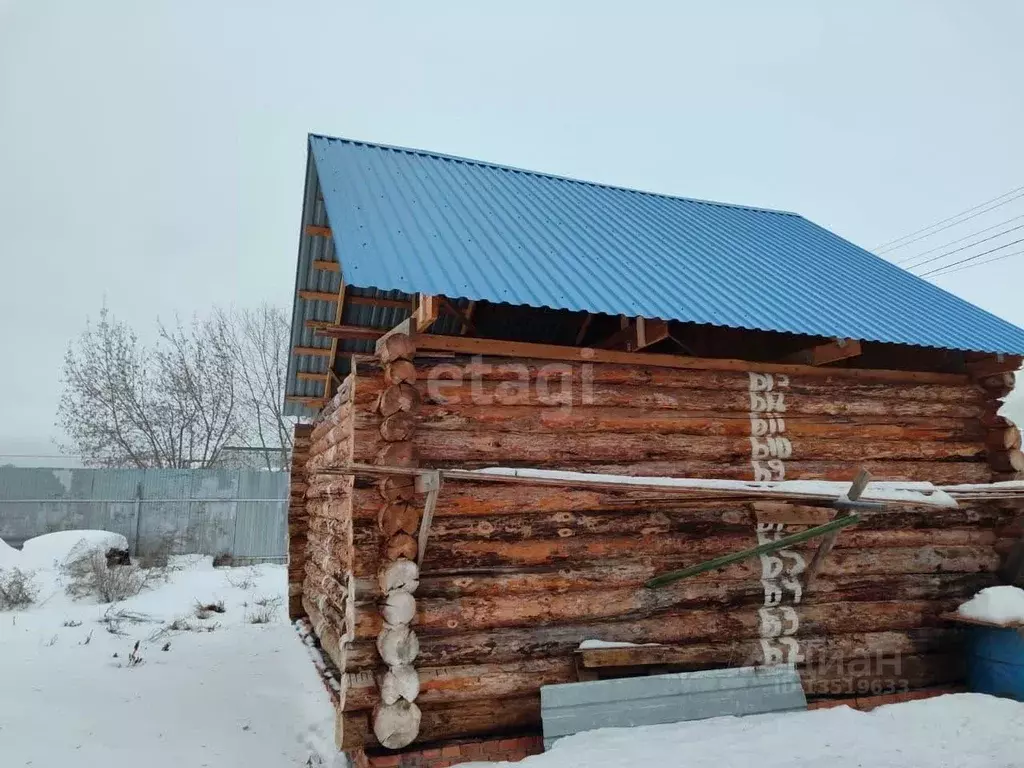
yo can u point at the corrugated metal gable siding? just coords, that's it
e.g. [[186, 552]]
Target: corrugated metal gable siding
[[418, 222]]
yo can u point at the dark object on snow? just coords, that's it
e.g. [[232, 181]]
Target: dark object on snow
[[118, 557], [167, 646], [223, 560], [217, 607]]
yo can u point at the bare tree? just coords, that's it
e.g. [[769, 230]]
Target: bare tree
[[259, 342], [174, 405]]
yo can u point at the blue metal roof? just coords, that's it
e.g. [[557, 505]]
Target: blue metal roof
[[416, 221]]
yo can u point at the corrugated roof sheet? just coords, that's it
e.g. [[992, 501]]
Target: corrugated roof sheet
[[416, 221]]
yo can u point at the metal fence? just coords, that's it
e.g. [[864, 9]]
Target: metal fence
[[209, 511]]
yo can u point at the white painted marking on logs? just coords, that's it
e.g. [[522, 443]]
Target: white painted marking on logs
[[769, 449]]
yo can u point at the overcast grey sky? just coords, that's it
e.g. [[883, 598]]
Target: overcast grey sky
[[152, 153]]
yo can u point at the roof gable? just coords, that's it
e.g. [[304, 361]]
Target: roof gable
[[420, 222]]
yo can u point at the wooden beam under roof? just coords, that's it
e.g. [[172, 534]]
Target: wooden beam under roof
[[636, 333], [375, 302], [994, 364], [312, 229], [463, 316], [326, 266], [313, 402], [311, 351], [476, 346], [318, 295], [823, 354], [371, 301], [338, 331], [310, 375]]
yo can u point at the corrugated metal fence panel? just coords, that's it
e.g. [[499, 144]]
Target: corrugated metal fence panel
[[417, 221], [261, 528], [240, 512], [574, 707]]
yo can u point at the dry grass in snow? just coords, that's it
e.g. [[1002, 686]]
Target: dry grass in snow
[[176, 675]]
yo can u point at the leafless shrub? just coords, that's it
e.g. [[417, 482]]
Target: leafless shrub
[[243, 579], [206, 610], [181, 624], [51, 642], [89, 575], [264, 609], [114, 619], [155, 552], [17, 589]]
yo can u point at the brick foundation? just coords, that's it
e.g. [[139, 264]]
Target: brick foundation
[[513, 750], [867, 703], [495, 750]]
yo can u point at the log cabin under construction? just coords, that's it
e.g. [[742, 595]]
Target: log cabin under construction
[[453, 315]]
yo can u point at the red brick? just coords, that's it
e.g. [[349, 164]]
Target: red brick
[[385, 761], [431, 753], [824, 704], [507, 744], [474, 750], [451, 751]]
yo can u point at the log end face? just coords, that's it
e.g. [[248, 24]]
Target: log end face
[[396, 725]]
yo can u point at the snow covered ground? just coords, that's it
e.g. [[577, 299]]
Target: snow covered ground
[[225, 692], [955, 731]]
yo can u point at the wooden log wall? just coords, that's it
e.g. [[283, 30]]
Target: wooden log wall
[[298, 520], [396, 717], [328, 588], [514, 577]]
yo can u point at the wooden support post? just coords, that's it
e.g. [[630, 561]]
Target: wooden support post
[[650, 332], [468, 326], [856, 489], [427, 310], [338, 312], [823, 354], [584, 327]]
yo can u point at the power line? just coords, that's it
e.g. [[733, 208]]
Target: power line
[[965, 247], [972, 258], [905, 259], [941, 273], [892, 244]]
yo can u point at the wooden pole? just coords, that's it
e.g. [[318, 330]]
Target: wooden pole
[[762, 549], [856, 489]]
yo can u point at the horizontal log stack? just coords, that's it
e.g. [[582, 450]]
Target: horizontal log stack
[[328, 589], [514, 577], [298, 520]]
